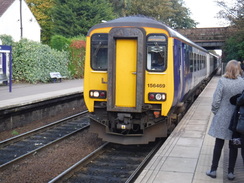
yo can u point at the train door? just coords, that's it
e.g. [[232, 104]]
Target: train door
[[180, 69], [126, 69], [1, 63], [181, 48], [184, 68]]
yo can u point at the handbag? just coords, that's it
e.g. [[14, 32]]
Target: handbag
[[240, 125]]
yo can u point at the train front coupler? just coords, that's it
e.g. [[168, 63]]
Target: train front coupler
[[124, 121]]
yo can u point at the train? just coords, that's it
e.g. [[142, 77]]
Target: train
[[140, 75]]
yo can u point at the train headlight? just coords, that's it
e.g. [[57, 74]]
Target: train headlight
[[156, 96], [98, 94]]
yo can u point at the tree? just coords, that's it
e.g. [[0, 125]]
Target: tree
[[119, 7], [234, 46], [181, 17], [42, 12], [74, 17], [171, 12], [234, 14]]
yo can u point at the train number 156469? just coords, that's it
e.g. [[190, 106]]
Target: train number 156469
[[154, 85]]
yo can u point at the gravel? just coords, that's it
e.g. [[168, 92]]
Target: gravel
[[45, 165], [11, 133]]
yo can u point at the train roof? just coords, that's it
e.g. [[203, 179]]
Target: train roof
[[141, 21]]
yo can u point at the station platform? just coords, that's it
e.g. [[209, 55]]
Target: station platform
[[187, 153], [23, 94]]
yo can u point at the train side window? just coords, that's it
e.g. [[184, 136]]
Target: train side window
[[203, 66], [195, 62], [156, 52], [198, 62], [191, 62], [99, 51], [204, 61], [201, 62]]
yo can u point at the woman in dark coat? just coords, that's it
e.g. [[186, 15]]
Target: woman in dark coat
[[230, 84], [237, 100]]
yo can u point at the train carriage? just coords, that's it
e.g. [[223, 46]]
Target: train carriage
[[139, 76]]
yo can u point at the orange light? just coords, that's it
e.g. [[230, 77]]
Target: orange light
[[156, 114]]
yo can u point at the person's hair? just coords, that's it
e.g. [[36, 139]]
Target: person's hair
[[232, 69]]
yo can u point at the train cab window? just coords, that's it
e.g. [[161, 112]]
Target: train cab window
[[156, 52], [99, 51]]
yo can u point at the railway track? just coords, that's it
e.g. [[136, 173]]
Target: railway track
[[16, 148], [110, 163]]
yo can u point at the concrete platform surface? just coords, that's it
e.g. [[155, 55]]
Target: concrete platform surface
[[27, 93]]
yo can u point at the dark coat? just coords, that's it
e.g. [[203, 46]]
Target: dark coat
[[238, 101]]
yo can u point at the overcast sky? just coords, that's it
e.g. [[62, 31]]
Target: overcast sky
[[205, 12]]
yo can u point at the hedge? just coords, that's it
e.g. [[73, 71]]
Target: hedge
[[33, 62]]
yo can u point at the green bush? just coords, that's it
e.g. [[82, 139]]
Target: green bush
[[33, 62], [6, 40], [77, 57], [59, 42], [76, 48]]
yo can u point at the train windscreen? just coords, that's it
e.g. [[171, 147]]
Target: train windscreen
[[156, 53], [99, 51]]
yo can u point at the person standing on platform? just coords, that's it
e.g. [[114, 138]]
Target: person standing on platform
[[230, 84], [237, 138]]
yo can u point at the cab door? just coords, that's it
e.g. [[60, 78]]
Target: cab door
[[126, 69]]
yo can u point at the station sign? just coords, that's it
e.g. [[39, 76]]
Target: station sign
[[6, 63]]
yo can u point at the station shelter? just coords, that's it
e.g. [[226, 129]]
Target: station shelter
[[6, 66]]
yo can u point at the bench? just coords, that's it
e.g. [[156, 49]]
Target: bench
[[3, 79], [56, 77]]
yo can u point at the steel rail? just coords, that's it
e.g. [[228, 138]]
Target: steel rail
[[42, 128], [67, 174], [71, 169], [46, 145]]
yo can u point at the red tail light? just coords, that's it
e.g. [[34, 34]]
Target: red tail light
[[151, 96]]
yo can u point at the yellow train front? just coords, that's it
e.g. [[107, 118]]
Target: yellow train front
[[133, 80]]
